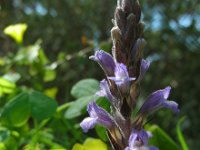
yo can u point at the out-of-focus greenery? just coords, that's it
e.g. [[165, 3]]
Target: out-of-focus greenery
[[61, 35]]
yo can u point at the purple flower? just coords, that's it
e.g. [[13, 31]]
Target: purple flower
[[157, 100], [105, 92], [105, 60], [122, 78], [143, 68], [139, 140], [97, 115]]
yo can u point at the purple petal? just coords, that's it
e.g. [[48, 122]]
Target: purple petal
[[122, 78], [132, 139], [138, 138], [105, 60], [153, 148], [143, 68], [105, 92], [171, 105], [88, 123], [157, 100], [101, 115]]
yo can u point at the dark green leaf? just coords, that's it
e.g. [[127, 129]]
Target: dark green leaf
[[17, 111], [42, 106], [160, 139]]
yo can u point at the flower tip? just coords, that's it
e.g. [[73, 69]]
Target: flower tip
[[166, 92]]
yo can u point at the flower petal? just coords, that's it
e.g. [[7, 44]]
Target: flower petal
[[122, 78], [171, 105], [105, 60], [138, 138], [101, 115], [157, 100], [105, 92], [88, 123]]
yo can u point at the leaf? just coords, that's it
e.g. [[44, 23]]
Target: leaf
[[76, 108], [78, 146], [4, 133], [42, 106], [180, 134], [160, 139], [91, 144], [16, 31], [84, 91], [6, 86], [101, 132], [49, 75], [85, 87], [28, 55], [51, 92], [17, 111], [94, 144]]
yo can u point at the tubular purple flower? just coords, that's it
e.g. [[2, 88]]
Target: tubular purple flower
[[139, 140], [105, 92], [97, 115], [143, 69], [105, 60], [122, 78], [157, 100]]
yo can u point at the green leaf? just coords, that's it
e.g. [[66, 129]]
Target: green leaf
[[91, 144], [85, 87], [84, 91], [16, 31], [28, 55], [49, 75], [180, 134], [4, 133], [17, 111], [160, 139], [101, 132], [6, 86], [42, 106], [77, 107]]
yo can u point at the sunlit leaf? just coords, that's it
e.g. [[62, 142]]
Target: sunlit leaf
[[4, 83], [91, 144], [12, 76], [2, 146], [49, 75], [51, 92], [16, 31], [28, 55]]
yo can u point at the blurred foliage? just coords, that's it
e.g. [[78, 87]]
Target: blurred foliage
[[53, 55]]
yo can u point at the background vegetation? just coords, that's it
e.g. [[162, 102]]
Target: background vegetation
[[62, 34]]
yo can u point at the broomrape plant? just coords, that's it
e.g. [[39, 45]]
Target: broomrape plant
[[124, 70]]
